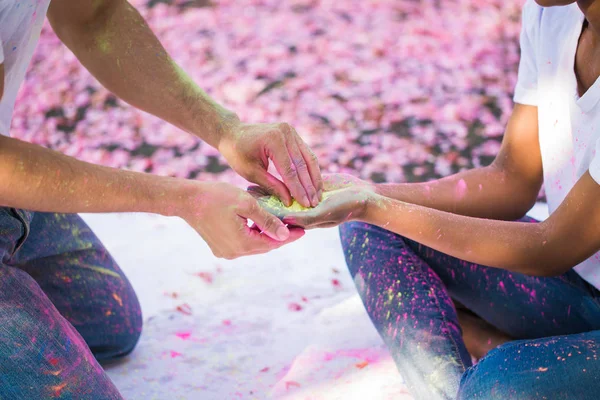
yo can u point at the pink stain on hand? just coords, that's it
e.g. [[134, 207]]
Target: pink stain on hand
[[461, 189]]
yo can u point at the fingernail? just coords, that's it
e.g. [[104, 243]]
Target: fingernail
[[315, 200], [282, 233], [306, 201]]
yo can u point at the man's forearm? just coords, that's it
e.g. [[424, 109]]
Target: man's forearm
[[38, 179], [485, 192], [116, 45]]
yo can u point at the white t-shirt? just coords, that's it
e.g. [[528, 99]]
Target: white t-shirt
[[569, 125], [21, 22]]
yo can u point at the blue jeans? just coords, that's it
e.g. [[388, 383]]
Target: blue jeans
[[64, 305], [408, 291]]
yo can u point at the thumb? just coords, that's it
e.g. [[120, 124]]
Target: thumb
[[268, 223], [273, 186]]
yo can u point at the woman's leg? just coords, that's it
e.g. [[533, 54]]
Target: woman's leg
[[559, 368], [410, 307], [83, 282], [518, 305], [521, 306]]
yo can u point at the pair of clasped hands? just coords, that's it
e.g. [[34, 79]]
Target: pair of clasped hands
[[222, 211]]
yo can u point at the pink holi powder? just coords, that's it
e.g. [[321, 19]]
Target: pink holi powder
[[294, 307], [185, 309], [175, 354], [291, 384], [205, 276], [183, 335], [226, 322], [501, 285]]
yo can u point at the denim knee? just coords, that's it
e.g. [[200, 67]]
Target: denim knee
[[111, 340]]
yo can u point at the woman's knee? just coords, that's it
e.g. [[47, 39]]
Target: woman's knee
[[555, 367]]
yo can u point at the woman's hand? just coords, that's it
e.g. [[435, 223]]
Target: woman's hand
[[338, 206], [345, 199]]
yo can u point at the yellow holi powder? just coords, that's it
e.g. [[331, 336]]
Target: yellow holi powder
[[274, 205]]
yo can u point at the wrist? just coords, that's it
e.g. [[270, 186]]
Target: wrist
[[226, 128], [172, 197], [372, 208]]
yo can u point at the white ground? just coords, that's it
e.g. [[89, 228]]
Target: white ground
[[239, 336]]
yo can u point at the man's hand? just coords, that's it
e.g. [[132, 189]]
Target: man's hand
[[248, 149], [220, 212]]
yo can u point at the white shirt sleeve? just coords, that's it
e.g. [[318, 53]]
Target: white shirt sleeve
[[1, 52], [527, 79]]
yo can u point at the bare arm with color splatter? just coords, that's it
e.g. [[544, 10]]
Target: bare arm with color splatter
[[114, 42], [505, 190], [456, 217], [38, 179]]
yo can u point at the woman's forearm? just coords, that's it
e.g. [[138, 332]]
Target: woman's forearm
[[520, 247], [486, 192], [38, 179]]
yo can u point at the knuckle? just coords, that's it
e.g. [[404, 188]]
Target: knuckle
[[285, 127], [251, 175], [217, 254], [301, 164]]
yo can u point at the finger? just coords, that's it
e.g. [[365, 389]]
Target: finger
[[302, 171], [283, 160], [259, 243], [312, 163], [257, 191], [269, 224], [272, 186], [301, 220]]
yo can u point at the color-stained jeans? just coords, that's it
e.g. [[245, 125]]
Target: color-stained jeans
[[64, 304], [408, 291]]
